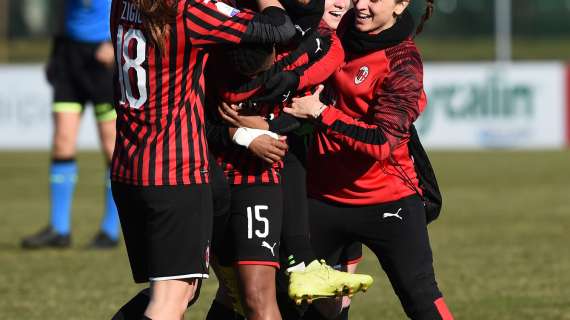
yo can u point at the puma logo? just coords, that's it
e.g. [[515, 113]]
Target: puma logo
[[286, 96], [264, 244], [318, 45], [389, 214], [303, 32]]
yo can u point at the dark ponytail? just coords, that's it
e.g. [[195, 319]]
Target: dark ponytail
[[157, 16], [428, 13]]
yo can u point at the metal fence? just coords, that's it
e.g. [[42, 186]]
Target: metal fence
[[31, 22]]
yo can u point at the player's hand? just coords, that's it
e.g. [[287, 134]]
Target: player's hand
[[105, 54], [231, 115], [269, 149], [307, 107], [280, 88]]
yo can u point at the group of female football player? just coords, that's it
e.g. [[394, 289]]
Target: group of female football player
[[274, 137]]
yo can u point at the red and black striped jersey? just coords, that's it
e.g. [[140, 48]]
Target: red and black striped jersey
[[159, 94], [240, 166], [314, 59]]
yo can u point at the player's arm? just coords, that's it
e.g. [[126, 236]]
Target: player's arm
[[311, 63], [325, 57], [212, 21], [395, 110]]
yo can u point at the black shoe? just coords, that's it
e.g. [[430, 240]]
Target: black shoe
[[103, 241], [45, 238]]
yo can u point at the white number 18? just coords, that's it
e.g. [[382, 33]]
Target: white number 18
[[124, 41]]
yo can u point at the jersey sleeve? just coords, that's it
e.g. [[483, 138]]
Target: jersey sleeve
[[325, 58], [214, 22], [397, 106], [313, 61]]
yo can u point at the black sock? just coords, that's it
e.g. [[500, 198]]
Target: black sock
[[298, 249], [220, 312], [344, 314], [313, 314], [135, 308]]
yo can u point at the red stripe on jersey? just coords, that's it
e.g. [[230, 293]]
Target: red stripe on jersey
[[159, 100], [243, 167], [203, 30], [300, 61]]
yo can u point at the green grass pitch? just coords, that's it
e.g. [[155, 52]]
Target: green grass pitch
[[501, 246]]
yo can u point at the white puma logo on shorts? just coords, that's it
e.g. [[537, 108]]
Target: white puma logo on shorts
[[389, 214], [264, 244]]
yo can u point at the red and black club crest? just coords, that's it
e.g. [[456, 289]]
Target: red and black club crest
[[361, 75]]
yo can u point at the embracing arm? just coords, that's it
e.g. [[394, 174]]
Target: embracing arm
[[212, 21], [397, 106]]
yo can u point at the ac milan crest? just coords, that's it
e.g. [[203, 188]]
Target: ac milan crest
[[361, 75]]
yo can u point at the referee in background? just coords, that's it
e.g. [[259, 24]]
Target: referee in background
[[80, 72]]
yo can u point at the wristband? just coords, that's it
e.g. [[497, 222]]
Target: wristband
[[244, 136]]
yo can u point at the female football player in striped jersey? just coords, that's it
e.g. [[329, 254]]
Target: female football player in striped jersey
[[364, 127], [160, 166]]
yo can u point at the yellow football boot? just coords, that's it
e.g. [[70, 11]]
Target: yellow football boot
[[319, 280]]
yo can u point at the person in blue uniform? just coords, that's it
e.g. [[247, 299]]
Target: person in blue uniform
[[80, 71]]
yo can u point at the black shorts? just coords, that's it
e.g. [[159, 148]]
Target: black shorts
[[397, 234], [255, 225], [167, 230], [76, 75]]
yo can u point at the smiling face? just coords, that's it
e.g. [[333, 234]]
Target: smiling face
[[334, 10], [375, 16]]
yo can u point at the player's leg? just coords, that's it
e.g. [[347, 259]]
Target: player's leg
[[401, 243], [167, 232], [295, 244], [227, 303], [66, 115], [257, 288], [109, 232], [328, 237], [337, 309], [134, 309], [256, 229], [350, 258], [97, 83], [303, 266]]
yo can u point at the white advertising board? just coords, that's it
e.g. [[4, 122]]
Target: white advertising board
[[487, 105], [25, 111], [471, 106]]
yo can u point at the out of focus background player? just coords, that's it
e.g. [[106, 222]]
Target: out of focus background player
[[80, 72], [495, 127]]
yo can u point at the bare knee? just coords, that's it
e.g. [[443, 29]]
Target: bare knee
[[66, 128], [258, 295], [107, 136], [170, 298]]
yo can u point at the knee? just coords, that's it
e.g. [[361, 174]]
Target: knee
[[257, 296], [172, 298], [63, 144]]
